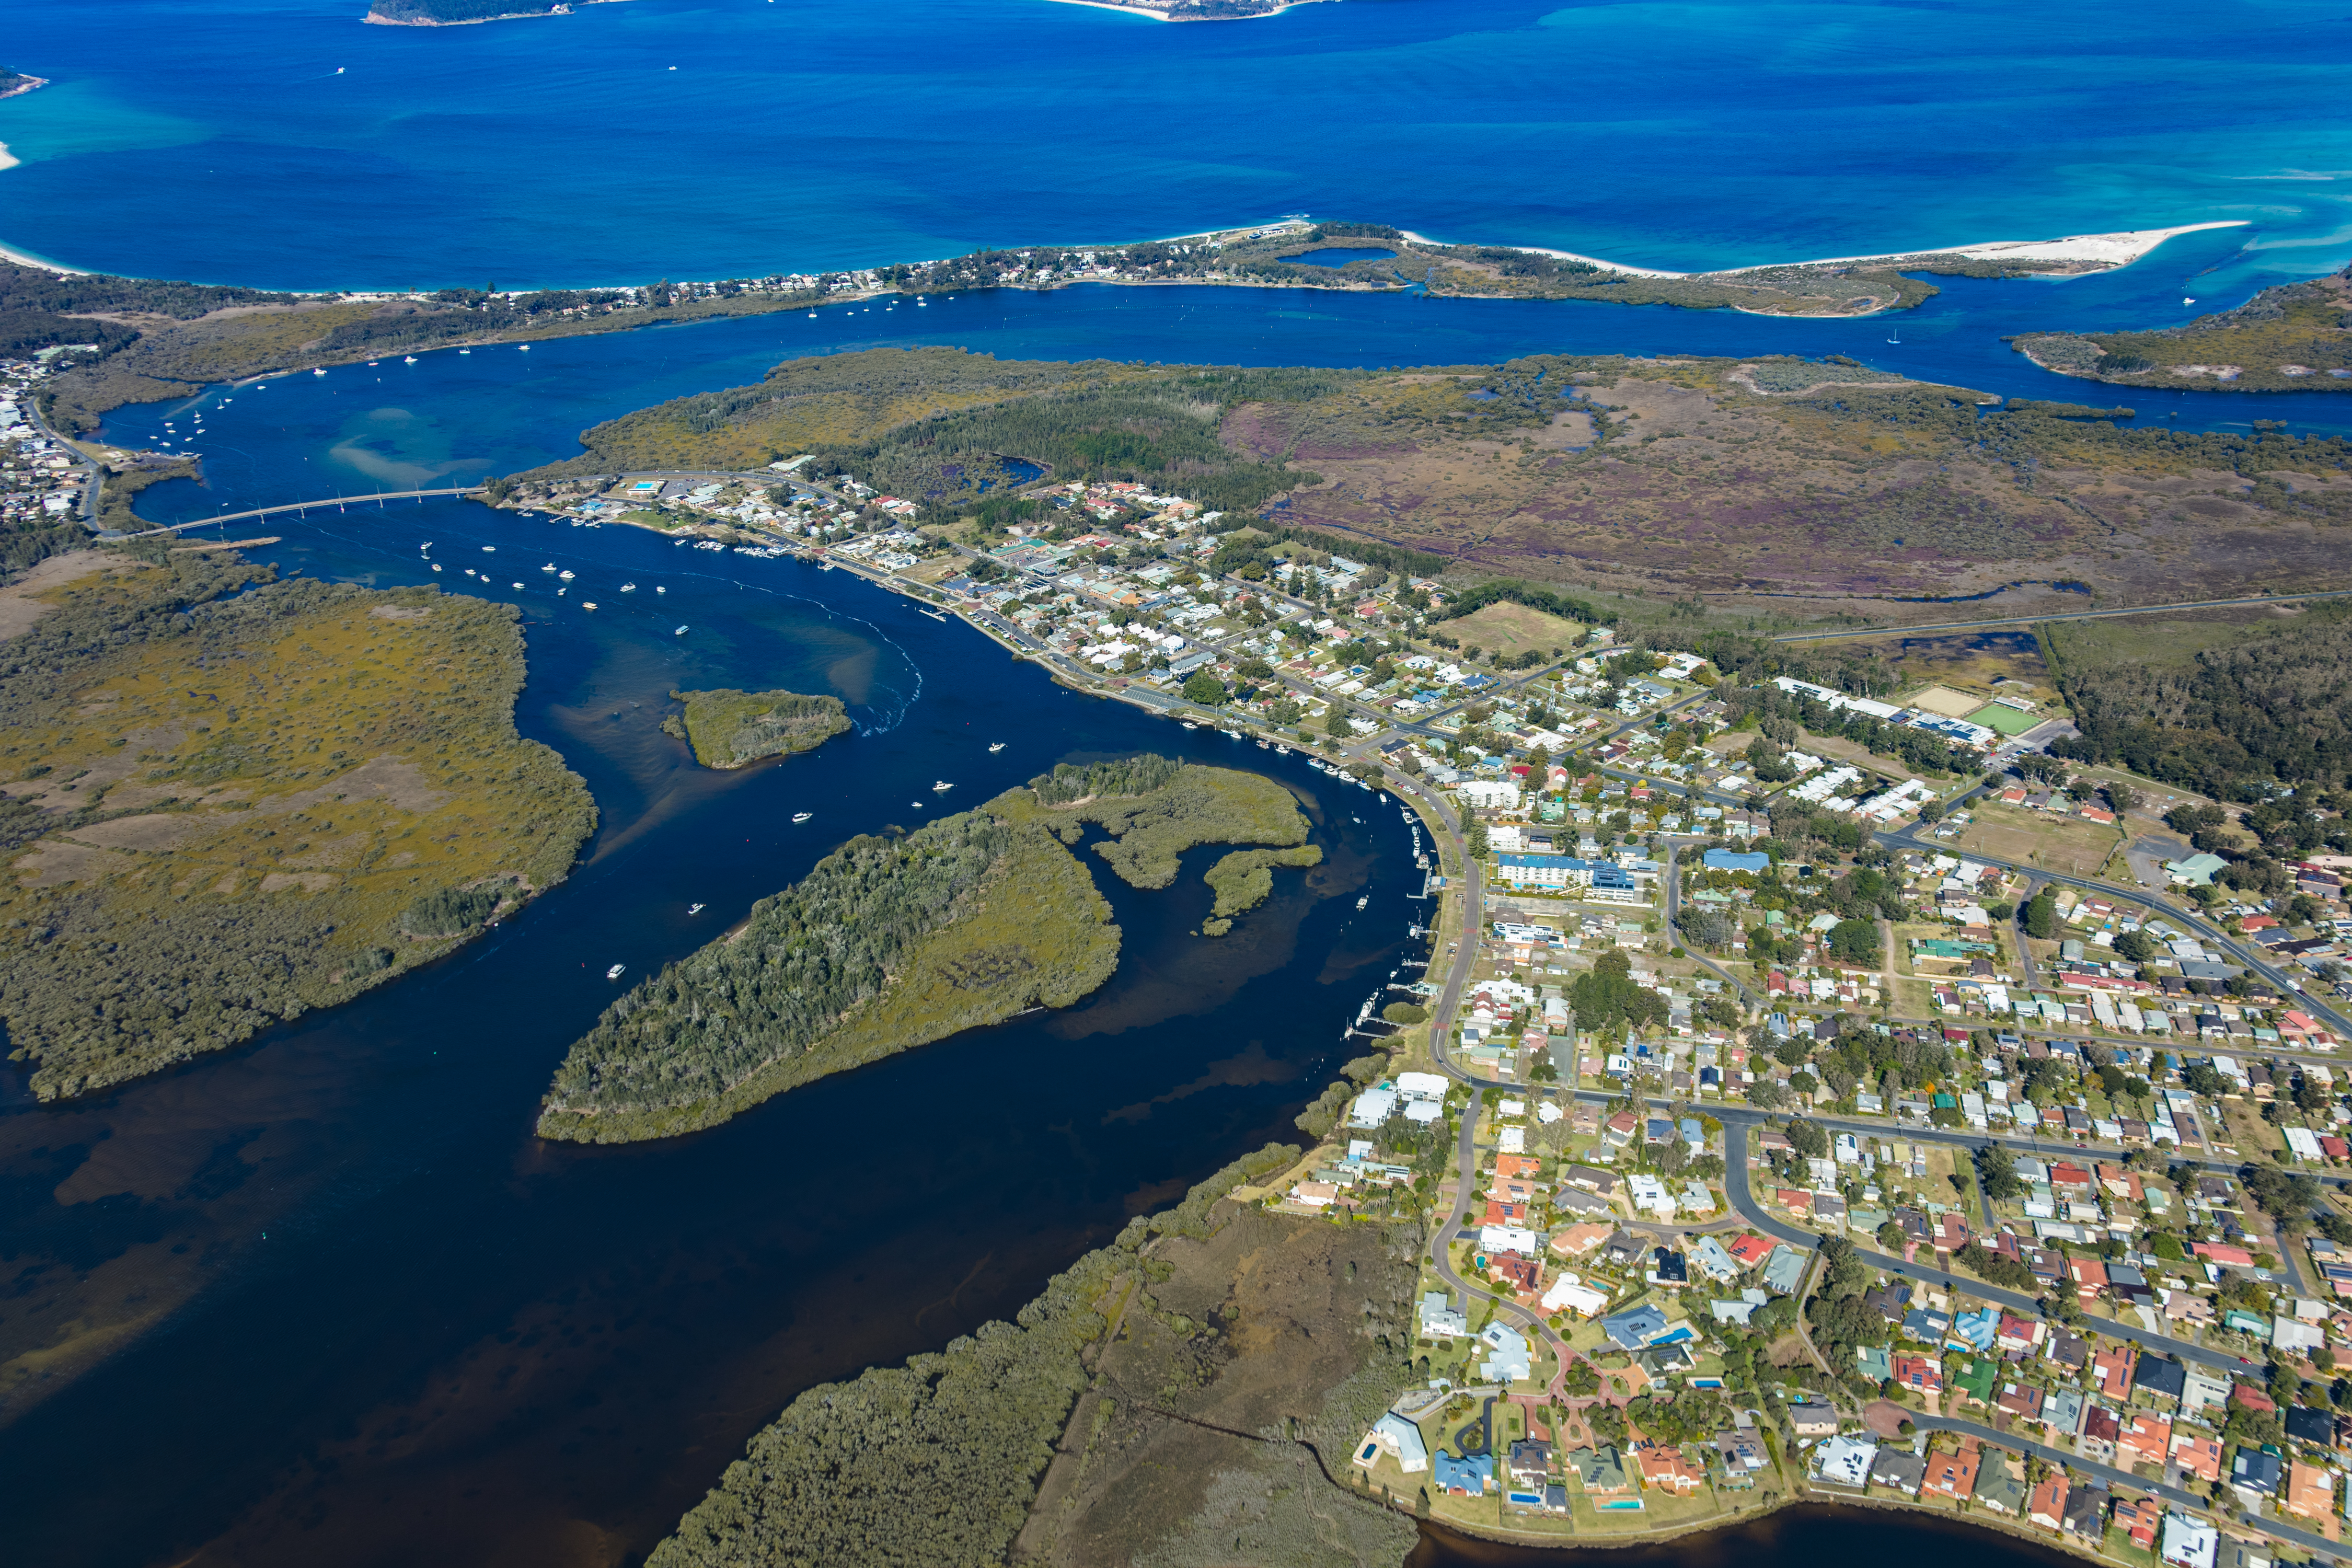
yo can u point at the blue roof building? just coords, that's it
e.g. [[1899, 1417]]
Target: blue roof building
[[1473, 1476], [1733, 860]]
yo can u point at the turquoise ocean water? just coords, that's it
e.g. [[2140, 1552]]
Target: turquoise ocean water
[[280, 141]]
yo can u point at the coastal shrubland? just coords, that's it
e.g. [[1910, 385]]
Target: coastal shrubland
[[893, 942], [1198, 806], [233, 800], [1145, 1407], [1245, 880], [938, 425], [735, 728]]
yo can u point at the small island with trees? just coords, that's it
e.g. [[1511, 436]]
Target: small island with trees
[[736, 729]]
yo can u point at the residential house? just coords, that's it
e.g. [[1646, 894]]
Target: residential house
[[1743, 1452], [2086, 1513], [2101, 1428], [1899, 1470], [1997, 1489], [2145, 1441], [1952, 1476], [1473, 1476], [2113, 1369], [1530, 1462], [1844, 1462], [1635, 1327], [2196, 1454], [2160, 1379], [1666, 1467], [2310, 1491], [1809, 1419], [1439, 1320], [1599, 1472], [2254, 1474], [2189, 1542], [2045, 1504], [1508, 1355], [1397, 1438], [2140, 1519], [1921, 1373], [2022, 1400]]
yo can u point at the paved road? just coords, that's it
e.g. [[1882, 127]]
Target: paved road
[[1736, 1188], [2070, 616], [2326, 1549]]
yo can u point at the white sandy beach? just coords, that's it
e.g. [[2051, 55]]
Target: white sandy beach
[[1106, 6], [2110, 249]]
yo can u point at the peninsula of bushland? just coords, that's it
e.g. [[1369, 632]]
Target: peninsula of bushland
[[1778, 485], [229, 800], [736, 729], [894, 941], [2296, 337]]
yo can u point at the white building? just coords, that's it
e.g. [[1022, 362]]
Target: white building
[[1397, 1438], [2189, 1542]]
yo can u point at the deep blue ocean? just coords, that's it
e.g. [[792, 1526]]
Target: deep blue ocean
[[282, 142]]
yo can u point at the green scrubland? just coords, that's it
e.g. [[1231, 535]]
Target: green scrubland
[[735, 728], [231, 800]]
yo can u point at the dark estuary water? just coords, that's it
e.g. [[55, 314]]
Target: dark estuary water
[[367, 1318], [1811, 1535]]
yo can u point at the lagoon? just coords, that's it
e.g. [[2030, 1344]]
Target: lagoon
[[453, 417]]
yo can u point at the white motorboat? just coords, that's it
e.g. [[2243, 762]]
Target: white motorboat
[[588, 604], [997, 747], [1189, 725], [548, 567], [319, 373], [410, 359], [694, 909], [565, 576], [615, 972], [659, 589], [679, 633], [803, 816], [942, 787], [1363, 899], [628, 587], [437, 566]]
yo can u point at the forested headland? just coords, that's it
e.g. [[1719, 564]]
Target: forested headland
[[736, 729], [230, 800], [2292, 337], [892, 943], [1164, 1401]]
